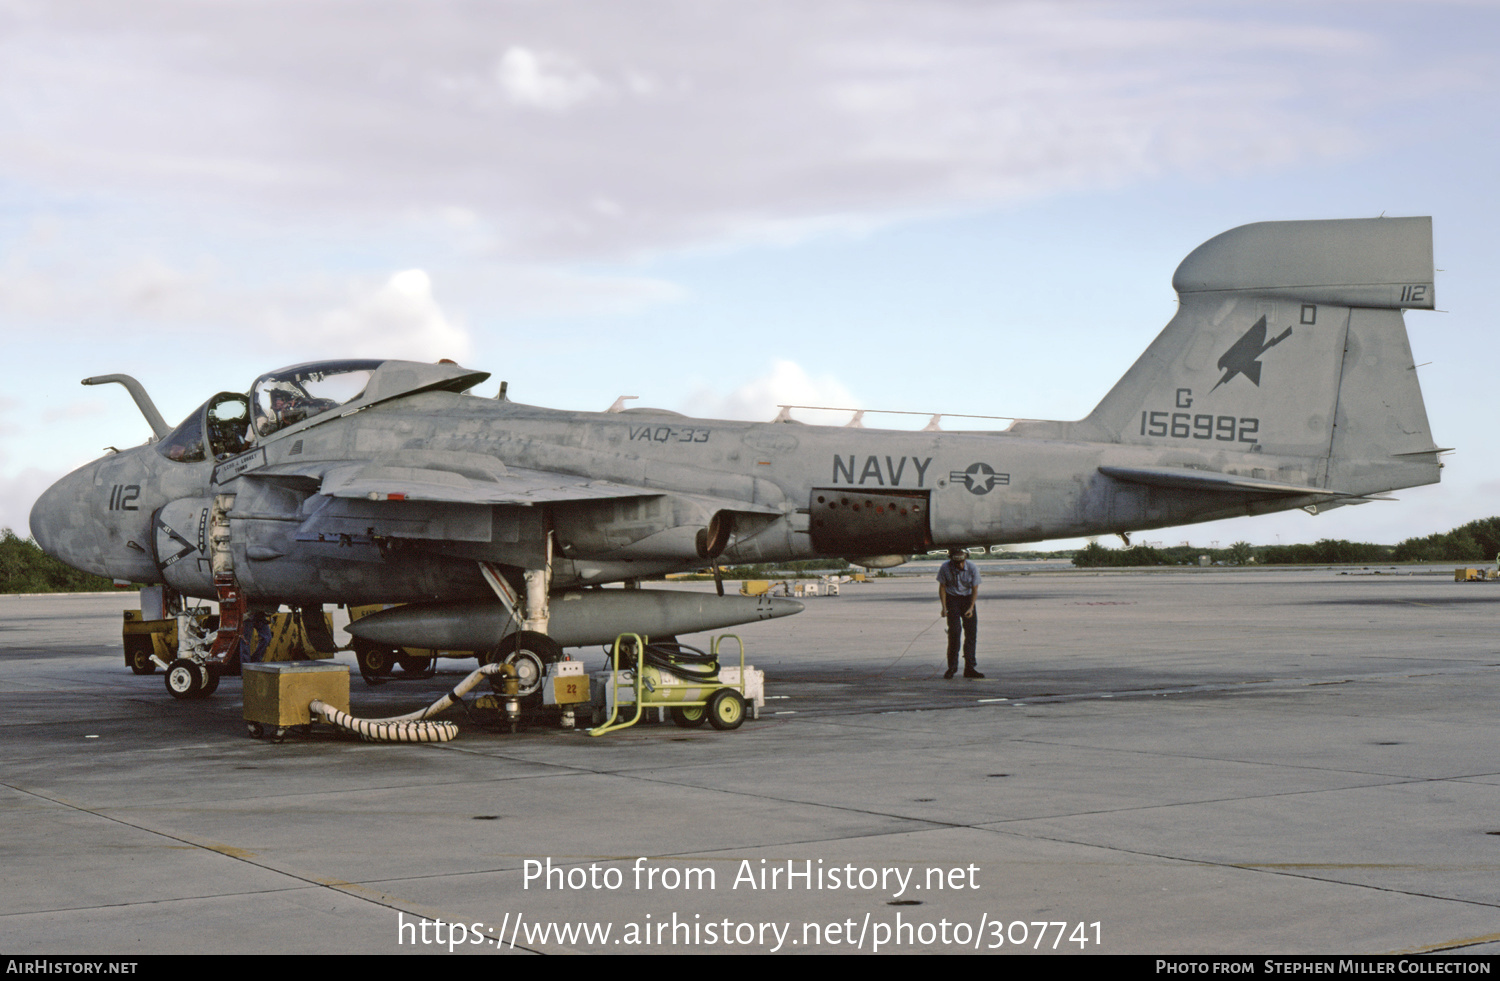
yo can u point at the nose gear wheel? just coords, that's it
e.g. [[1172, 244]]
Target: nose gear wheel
[[190, 680]]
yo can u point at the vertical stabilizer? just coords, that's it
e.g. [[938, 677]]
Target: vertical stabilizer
[[1288, 340], [1381, 438]]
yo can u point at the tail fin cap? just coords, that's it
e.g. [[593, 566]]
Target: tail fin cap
[[1383, 263]]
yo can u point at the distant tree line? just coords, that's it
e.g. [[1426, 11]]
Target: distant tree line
[[1477, 541], [25, 568], [1095, 556], [1326, 551]]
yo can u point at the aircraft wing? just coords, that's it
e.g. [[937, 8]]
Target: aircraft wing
[[484, 483], [1182, 478], [361, 499], [513, 486], [451, 500]]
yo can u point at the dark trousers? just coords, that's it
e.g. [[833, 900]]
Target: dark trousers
[[960, 625], [252, 652]]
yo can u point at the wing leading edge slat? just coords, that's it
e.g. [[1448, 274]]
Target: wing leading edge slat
[[381, 482]]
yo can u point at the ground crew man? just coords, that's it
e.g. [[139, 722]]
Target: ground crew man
[[958, 592]]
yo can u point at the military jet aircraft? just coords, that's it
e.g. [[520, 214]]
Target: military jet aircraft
[[1285, 380]]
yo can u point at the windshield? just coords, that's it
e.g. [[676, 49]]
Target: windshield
[[228, 425], [185, 443], [228, 418], [284, 398]]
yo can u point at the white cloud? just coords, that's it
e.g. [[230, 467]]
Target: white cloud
[[397, 319], [544, 80], [787, 383], [96, 280], [697, 122]]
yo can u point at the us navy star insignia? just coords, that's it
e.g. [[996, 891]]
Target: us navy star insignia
[[979, 478]]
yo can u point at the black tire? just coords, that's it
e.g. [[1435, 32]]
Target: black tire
[[530, 652], [140, 662], [726, 710], [689, 716], [255, 730], [185, 679], [210, 680], [418, 667], [374, 662]]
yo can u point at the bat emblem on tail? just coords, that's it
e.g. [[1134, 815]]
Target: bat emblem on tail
[[1243, 357]]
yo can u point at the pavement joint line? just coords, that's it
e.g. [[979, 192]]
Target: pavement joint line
[[1270, 686], [985, 824], [353, 890], [1449, 945], [327, 791], [1132, 809], [1254, 762], [931, 822], [1377, 781], [1257, 869], [256, 893], [415, 909], [1175, 859]]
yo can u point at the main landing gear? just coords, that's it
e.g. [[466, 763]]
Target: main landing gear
[[530, 653]]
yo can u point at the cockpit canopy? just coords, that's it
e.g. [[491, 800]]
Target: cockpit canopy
[[282, 398], [222, 426], [226, 417]]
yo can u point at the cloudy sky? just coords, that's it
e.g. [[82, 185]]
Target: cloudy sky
[[934, 205]]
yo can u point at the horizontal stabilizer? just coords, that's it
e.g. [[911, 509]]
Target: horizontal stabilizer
[[1181, 478]]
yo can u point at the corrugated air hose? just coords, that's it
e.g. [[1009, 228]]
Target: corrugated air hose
[[414, 727], [385, 730]]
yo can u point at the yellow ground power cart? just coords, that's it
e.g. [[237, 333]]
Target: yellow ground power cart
[[687, 683]]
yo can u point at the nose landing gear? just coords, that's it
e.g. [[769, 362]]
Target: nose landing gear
[[190, 680]]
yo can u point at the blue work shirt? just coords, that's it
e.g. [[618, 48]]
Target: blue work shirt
[[958, 581]]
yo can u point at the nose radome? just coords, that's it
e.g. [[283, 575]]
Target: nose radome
[[45, 515], [69, 524], [98, 519]]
